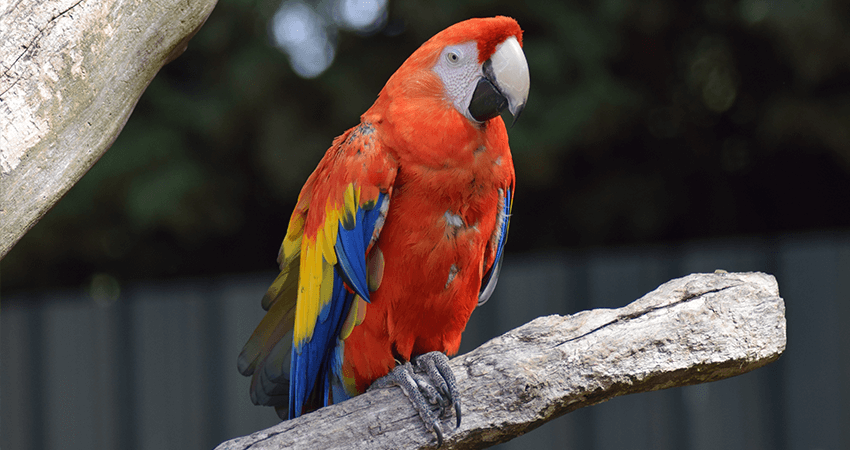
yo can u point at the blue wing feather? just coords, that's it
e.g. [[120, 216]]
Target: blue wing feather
[[311, 359], [348, 244], [488, 282], [314, 363], [351, 247]]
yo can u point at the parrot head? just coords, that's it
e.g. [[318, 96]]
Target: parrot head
[[477, 67], [488, 73]]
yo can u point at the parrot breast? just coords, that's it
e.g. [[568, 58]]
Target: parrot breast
[[443, 213]]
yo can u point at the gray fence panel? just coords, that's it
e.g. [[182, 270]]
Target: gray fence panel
[[74, 349], [811, 275], [17, 382], [167, 335], [241, 313]]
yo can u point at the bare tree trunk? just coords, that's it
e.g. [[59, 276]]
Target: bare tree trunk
[[71, 72], [700, 328]]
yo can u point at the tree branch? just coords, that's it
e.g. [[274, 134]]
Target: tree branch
[[71, 72], [700, 328]]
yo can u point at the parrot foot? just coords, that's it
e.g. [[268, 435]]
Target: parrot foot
[[427, 381], [436, 365]]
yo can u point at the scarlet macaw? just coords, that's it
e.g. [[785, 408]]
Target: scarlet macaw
[[398, 234]]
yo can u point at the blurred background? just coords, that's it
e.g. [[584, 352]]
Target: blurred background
[[661, 138]]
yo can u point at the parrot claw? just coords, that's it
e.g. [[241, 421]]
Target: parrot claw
[[436, 365], [427, 381]]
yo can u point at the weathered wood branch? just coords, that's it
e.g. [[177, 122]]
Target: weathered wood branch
[[71, 72], [700, 328]]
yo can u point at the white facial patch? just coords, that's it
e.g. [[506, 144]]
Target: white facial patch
[[459, 71]]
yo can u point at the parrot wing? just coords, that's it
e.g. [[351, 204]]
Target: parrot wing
[[497, 244], [295, 354]]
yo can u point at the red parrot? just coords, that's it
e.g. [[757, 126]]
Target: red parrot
[[398, 234]]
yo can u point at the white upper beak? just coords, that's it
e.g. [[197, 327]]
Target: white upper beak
[[510, 73]]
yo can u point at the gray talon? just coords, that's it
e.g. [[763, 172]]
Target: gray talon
[[436, 365], [427, 381], [439, 431]]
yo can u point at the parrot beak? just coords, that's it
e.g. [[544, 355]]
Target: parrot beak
[[504, 84]]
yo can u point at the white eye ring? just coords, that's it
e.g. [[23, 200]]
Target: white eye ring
[[453, 57]]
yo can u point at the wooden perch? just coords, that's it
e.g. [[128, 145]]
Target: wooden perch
[[71, 72], [703, 327]]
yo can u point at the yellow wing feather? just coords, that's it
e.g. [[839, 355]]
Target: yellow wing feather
[[315, 286]]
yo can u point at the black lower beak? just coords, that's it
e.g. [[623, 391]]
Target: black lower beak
[[487, 102]]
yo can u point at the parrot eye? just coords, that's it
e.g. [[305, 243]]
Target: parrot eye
[[453, 57]]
